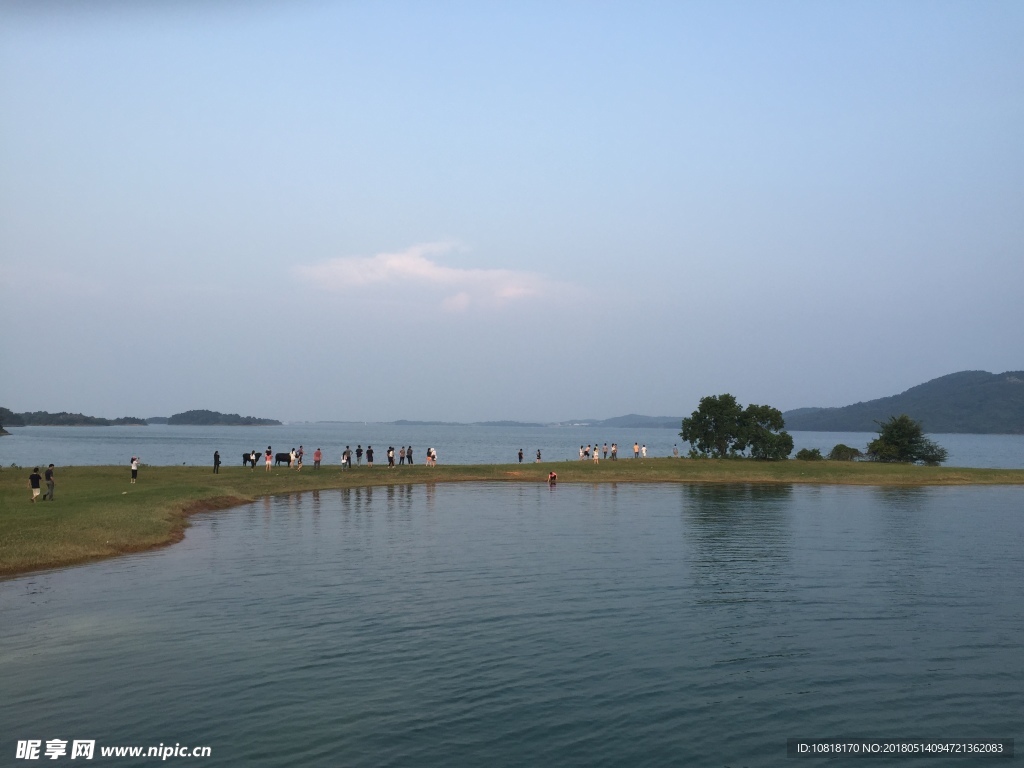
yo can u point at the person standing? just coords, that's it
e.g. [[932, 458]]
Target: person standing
[[636, 450], [538, 455], [135, 469], [48, 496], [581, 453], [643, 451], [216, 462], [252, 461], [520, 455], [293, 458], [317, 456], [408, 454], [606, 450], [33, 482], [369, 455], [359, 454], [597, 453], [401, 456], [269, 456], [675, 450], [615, 451]]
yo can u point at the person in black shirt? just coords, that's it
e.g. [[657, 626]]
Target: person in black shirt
[[48, 496], [216, 462], [408, 454], [359, 454], [369, 455], [33, 482], [520, 455]]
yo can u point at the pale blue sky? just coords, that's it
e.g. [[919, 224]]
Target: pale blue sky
[[533, 211]]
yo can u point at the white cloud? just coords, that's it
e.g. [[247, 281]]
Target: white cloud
[[418, 267]]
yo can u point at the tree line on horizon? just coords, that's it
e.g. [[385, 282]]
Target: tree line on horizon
[[64, 419]]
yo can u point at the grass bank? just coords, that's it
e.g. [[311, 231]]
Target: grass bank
[[98, 514]]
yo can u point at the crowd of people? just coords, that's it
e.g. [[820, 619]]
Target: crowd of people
[[294, 459]]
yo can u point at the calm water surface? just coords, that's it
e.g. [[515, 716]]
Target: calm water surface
[[511, 625], [164, 445]]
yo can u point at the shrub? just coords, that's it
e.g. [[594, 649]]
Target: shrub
[[809, 454], [844, 453], [901, 439]]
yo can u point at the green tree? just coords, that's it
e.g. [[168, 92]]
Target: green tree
[[715, 427], [720, 428], [809, 454], [764, 433], [901, 439], [842, 452]]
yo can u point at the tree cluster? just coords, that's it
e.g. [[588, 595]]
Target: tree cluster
[[842, 452], [721, 428], [809, 454], [901, 439]]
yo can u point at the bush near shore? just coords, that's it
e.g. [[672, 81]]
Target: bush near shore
[[97, 513]]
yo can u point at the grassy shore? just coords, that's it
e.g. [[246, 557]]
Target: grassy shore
[[98, 514]]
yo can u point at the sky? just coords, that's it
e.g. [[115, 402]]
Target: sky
[[475, 210]]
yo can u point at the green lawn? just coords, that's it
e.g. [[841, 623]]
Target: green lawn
[[98, 514]]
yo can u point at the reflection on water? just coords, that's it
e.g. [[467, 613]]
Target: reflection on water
[[738, 530], [524, 625]]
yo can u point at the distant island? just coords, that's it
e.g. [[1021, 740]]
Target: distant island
[[203, 418], [65, 419], [629, 421], [408, 423], [975, 402]]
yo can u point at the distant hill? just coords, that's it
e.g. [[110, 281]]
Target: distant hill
[[629, 421], [966, 402], [214, 418], [408, 423], [62, 419]]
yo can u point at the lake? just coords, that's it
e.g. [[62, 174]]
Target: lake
[[166, 445], [510, 625]]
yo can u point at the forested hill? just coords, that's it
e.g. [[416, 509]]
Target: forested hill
[[969, 402], [62, 419], [210, 418]]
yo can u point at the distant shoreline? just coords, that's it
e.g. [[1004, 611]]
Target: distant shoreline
[[97, 514]]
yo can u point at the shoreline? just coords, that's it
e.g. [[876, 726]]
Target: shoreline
[[98, 515]]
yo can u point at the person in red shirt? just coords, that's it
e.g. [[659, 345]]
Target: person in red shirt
[[317, 455]]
